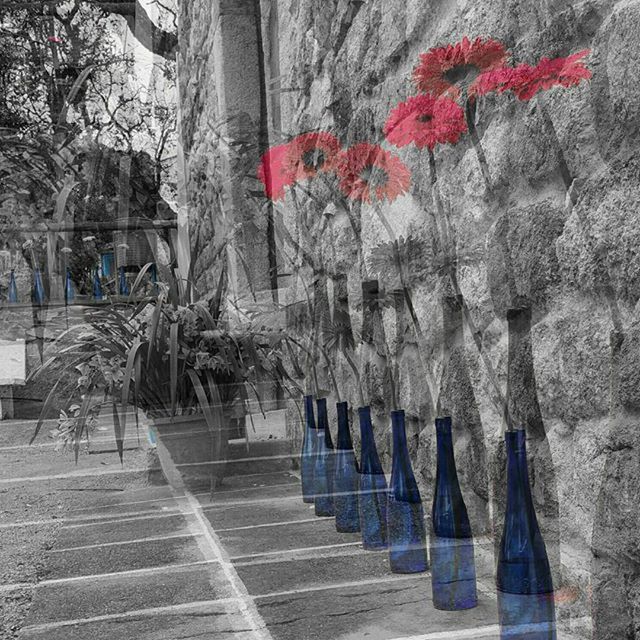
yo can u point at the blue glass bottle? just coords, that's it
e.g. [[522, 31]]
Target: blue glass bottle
[[325, 465], [345, 481], [309, 448], [154, 278], [12, 295], [453, 569], [525, 587], [123, 285], [405, 515], [97, 285], [372, 492], [107, 261], [38, 288], [69, 291]]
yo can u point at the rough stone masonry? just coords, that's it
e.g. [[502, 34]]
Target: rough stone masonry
[[548, 251]]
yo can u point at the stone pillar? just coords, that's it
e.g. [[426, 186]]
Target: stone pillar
[[237, 63]]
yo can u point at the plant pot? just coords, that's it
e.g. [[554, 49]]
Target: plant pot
[[132, 248], [198, 453]]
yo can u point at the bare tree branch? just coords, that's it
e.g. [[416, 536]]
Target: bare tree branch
[[160, 42]]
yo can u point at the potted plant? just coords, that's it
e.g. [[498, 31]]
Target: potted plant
[[181, 363]]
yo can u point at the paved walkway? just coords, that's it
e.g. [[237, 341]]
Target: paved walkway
[[139, 559]]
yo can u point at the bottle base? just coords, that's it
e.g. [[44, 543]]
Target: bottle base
[[455, 606], [453, 573], [375, 546], [354, 529], [407, 570], [526, 616], [407, 536]]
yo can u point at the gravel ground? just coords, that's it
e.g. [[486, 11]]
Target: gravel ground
[[23, 547], [22, 561]]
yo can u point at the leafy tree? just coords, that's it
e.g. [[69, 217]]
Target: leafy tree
[[69, 112]]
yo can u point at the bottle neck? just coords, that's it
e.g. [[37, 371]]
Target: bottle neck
[[308, 412], [344, 433], [449, 515], [369, 461], [446, 464], [403, 481], [323, 421], [400, 448]]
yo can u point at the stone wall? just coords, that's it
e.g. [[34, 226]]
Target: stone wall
[[548, 258]]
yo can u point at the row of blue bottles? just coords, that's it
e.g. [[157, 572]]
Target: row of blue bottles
[[330, 476], [39, 296], [393, 517]]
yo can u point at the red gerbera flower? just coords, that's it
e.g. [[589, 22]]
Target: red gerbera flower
[[367, 172], [498, 80], [443, 70], [425, 121], [273, 173], [312, 153], [526, 81]]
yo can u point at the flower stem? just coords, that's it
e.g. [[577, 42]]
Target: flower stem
[[451, 260], [408, 300], [356, 373], [470, 112]]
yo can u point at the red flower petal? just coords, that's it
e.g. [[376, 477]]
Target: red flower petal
[[526, 81], [425, 121], [499, 81], [272, 172], [369, 173], [440, 67], [311, 153]]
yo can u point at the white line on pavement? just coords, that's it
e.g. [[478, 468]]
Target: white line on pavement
[[240, 503], [165, 568], [270, 524], [212, 549], [96, 520], [231, 461], [79, 474], [344, 585], [298, 550], [99, 545], [458, 634], [199, 606]]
